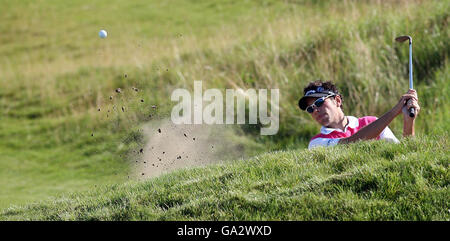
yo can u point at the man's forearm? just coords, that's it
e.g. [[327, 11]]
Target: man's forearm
[[408, 128], [372, 130]]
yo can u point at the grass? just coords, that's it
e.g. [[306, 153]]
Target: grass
[[55, 77], [362, 181]]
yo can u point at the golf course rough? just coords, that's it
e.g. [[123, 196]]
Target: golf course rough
[[72, 120]]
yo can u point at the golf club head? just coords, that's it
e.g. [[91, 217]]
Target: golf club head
[[403, 38]]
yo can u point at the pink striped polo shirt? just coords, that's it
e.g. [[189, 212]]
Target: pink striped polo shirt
[[331, 136]]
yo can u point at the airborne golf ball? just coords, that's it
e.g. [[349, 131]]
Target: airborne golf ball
[[102, 33]]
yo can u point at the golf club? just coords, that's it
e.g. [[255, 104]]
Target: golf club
[[412, 111]]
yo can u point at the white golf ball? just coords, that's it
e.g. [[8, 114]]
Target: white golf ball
[[102, 33]]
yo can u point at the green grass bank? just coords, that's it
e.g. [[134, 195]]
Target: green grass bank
[[362, 181], [56, 73]]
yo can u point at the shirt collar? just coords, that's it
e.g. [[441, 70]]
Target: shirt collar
[[352, 123]]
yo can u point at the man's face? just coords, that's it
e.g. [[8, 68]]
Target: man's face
[[328, 112]]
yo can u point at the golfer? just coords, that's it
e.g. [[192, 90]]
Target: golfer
[[324, 102]]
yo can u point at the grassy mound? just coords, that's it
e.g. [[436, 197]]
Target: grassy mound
[[361, 181], [60, 132]]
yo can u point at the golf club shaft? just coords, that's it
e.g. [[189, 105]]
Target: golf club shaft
[[410, 67], [412, 111]]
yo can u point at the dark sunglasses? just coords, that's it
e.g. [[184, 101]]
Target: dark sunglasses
[[318, 103]]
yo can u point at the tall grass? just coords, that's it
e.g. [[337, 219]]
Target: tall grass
[[55, 77], [362, 181]]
